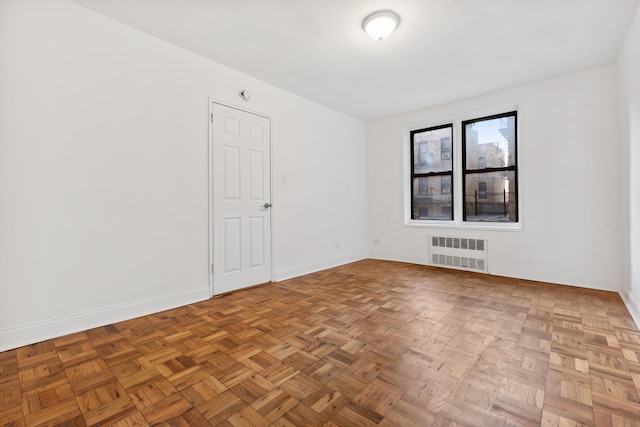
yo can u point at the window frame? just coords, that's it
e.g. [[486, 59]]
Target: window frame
[[456, 117], [413, 175], [465, 172]]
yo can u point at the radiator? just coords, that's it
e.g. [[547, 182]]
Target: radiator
[[459, 253]]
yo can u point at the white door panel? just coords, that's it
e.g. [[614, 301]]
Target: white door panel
[[241, 175]]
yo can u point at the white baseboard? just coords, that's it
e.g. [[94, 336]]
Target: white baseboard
[[39, 331], [28, 334], [542, 276], [634, 309], [301, 270], [507, 271], [401, 258], [580, 281]]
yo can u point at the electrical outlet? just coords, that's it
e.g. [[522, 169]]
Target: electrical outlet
[[337, 245], [376, 241]]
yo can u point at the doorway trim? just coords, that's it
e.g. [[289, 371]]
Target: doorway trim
[[211, 103]]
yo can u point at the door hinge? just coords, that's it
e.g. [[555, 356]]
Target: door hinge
[[211, 268], [211, 117]]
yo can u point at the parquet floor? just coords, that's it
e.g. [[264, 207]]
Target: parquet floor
[[371, 343]]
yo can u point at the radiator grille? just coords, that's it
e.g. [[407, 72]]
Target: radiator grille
[[459, 252]]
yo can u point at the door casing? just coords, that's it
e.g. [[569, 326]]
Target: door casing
[[210, 150]]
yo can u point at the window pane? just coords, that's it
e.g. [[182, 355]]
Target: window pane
[[445, 184], [432, 151], [432, 198], [491, 197], [491, 143]]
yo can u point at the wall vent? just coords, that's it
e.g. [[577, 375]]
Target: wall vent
[[459, 252]]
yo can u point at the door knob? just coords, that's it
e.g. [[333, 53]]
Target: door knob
[[266, 205]]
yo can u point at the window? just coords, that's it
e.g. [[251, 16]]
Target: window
[[482, 190], [445, 148], [432, 173], [479, 186], [489, 169], [445, 184]]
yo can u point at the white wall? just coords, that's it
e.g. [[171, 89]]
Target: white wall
[[103, 172], [569, 183], [103, 175], [629, 85]]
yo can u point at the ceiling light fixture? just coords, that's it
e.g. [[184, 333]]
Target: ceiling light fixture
[[380, 24]]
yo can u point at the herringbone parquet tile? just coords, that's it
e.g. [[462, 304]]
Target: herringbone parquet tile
[[371, 343]]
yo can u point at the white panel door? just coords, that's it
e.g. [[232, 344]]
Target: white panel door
[[241, 214]]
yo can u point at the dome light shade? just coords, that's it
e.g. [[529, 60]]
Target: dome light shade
[[380, 24]]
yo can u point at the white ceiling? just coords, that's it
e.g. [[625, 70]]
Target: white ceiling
[[443, 50]]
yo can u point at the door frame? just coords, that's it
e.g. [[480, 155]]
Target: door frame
[[212, 102]]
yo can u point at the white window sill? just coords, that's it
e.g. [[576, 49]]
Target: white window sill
[[457, 225]]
